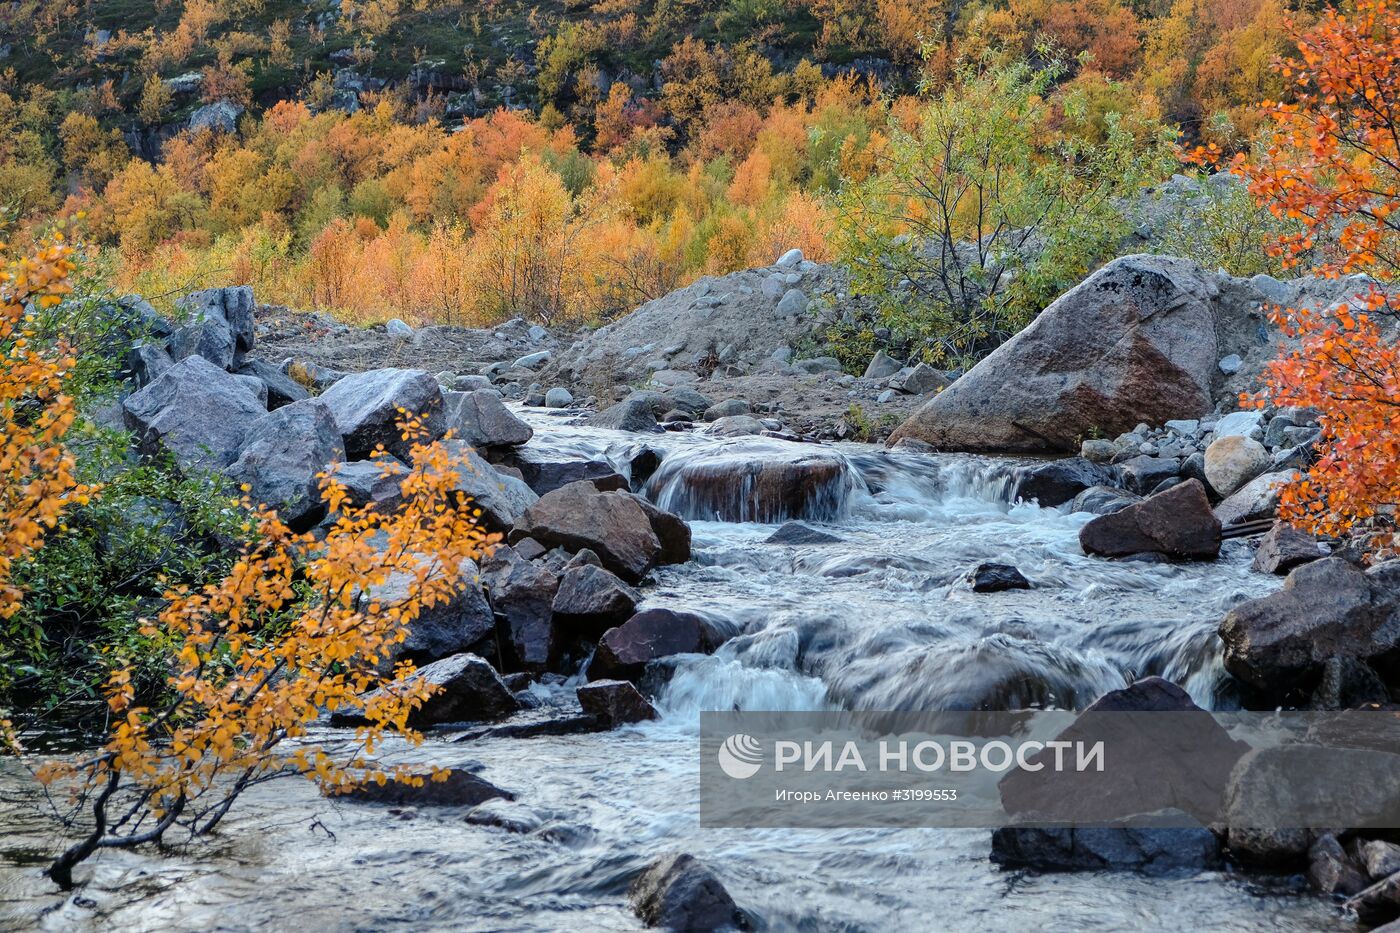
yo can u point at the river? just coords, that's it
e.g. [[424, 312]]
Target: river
[[877, 620]]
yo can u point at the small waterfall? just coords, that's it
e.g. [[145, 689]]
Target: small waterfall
[[755, 480]]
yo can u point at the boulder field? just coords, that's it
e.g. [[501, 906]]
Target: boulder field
[[1125, 373]]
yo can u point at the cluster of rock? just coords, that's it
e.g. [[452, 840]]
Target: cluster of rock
[[1214, 789], [682, 407], [1173, 491], [560, 591]]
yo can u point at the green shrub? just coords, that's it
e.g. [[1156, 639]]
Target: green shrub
[[88, 587], [983, 211]]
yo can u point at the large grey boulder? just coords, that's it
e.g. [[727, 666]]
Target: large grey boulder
[[283, 455], [678, 892], [481, 419], [218, 325], [690, 328], [1330, 608], [369, 408], [1133, 343], [502, 499], [196, 411]]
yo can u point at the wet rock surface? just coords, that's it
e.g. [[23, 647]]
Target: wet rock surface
[[1329, 608], [679, 892], [1177, 523]]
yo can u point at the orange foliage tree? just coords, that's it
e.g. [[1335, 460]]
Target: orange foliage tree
[[1333, 166], [37, 481], [298, 626]]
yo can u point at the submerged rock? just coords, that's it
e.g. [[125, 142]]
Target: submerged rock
[[796, 533], [996, 578], [1133, 343], [1060, 481], [678, 892]]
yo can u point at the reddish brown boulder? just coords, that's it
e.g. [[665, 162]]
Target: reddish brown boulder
[[624, 651], [611, 524], [1178, 523], [614, 703]]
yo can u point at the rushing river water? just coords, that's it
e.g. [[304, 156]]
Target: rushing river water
[[876, 620]]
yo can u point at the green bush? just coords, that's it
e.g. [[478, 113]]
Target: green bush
[[984, 210], [100, 573], [148, 528], [1217, 223]]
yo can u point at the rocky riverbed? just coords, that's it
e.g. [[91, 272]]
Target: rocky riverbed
[[678, 542]]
